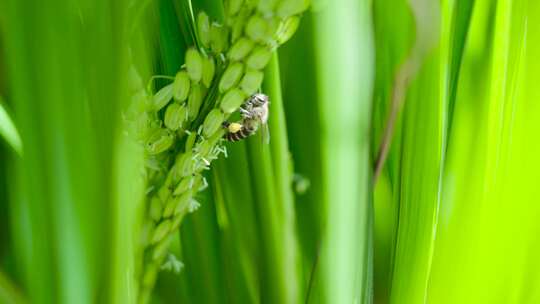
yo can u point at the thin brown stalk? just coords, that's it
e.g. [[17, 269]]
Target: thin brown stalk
[[427, 18]]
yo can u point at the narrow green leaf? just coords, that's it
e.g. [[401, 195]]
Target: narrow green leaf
[[345, 74], [9, 293], [8, 130]]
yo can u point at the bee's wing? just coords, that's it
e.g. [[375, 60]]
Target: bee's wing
[[265, 134]]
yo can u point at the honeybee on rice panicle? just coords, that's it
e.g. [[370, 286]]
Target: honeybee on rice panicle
[[254, 113]]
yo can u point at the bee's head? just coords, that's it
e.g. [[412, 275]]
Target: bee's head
[[259, 99]]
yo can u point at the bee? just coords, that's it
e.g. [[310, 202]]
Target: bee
[[254, 113]]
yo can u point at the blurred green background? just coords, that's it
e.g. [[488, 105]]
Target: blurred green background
[[452, 217]]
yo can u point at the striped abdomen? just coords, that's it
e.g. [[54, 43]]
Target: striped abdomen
[[241, 134]]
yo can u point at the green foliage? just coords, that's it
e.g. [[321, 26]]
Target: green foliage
[[402, 165], [8, 130], [171, 162], [452, 174], [345, 74], [66, 84]]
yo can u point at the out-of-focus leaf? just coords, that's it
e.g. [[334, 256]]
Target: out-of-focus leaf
[[66, 65], [237, 220], [488, 241], [201, 252], [278, 215], [8, 130], [422, 148], [410, 187], [344, 51], [9, 293], [298, 78]]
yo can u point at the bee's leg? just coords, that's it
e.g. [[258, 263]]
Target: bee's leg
[[245, 113], [248, 104], [232, 127]]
